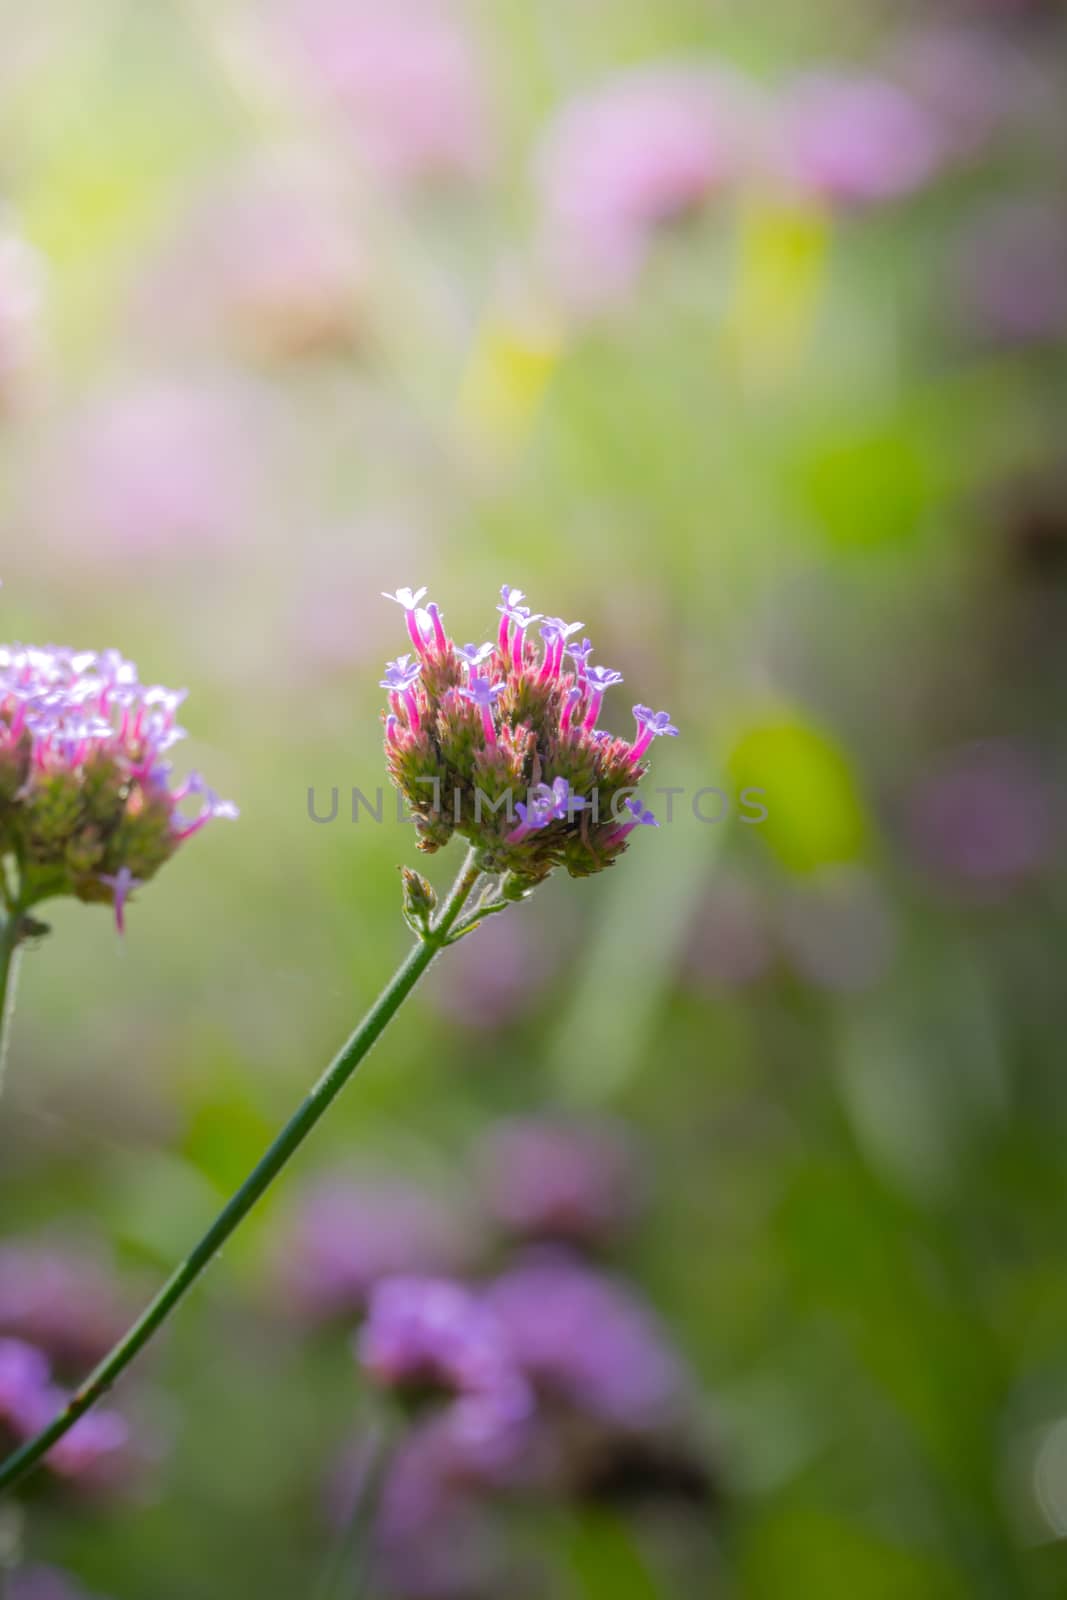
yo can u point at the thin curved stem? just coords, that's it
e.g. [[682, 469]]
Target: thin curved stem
[[349, 1573], [289, 1140], [10, 954]]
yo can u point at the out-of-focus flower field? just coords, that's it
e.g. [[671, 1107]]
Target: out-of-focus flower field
[[740, 333]]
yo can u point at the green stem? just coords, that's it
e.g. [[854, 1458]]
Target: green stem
[[10, 931], [292, 1136], [350, 1571]]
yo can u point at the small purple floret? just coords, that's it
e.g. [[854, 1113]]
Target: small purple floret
[[484, 694], [401, 673], [643, 816], [555, 632], [472, 655], [650, 725], [122, 883], [545, 803], [598, 680]]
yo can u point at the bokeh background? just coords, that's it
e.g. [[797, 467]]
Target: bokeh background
[[737, 331]]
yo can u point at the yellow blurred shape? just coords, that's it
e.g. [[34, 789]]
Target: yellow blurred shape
[[782, 253], [91, 202], [815, 813], [510, 367]]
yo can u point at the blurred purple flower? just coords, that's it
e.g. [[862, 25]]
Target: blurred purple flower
[[557, 1180], [94, 1451], [435, 1538], [855, 140], [67, 1304], [44, 1583], [973, 82], [434, 1336], [347, 1234], [623, 160], [490, 987], [405, 78], [1010, 273], [983, 817], [24, 1377], [729, 943], [587, 1342]]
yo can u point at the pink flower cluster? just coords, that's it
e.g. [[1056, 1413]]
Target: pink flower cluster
[[403, 77], [471, 729], [657, 144], [87, 803]]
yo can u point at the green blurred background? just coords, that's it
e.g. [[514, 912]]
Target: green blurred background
[[806, 489]]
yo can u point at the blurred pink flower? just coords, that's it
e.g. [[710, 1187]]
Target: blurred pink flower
[[1010, 277], [557, 1179], [587, 1340], [983, 817], [973, 82], [854, 140], [44, 1583], [62, 1300], [647, 148], [96, 1450], [347, 1234], [435, 1537], [405, 77], [729, 943], [157, 466], [268, 260], [500, 983]]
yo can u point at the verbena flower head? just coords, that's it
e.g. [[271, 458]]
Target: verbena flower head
[[88, 806], [500, 745]]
